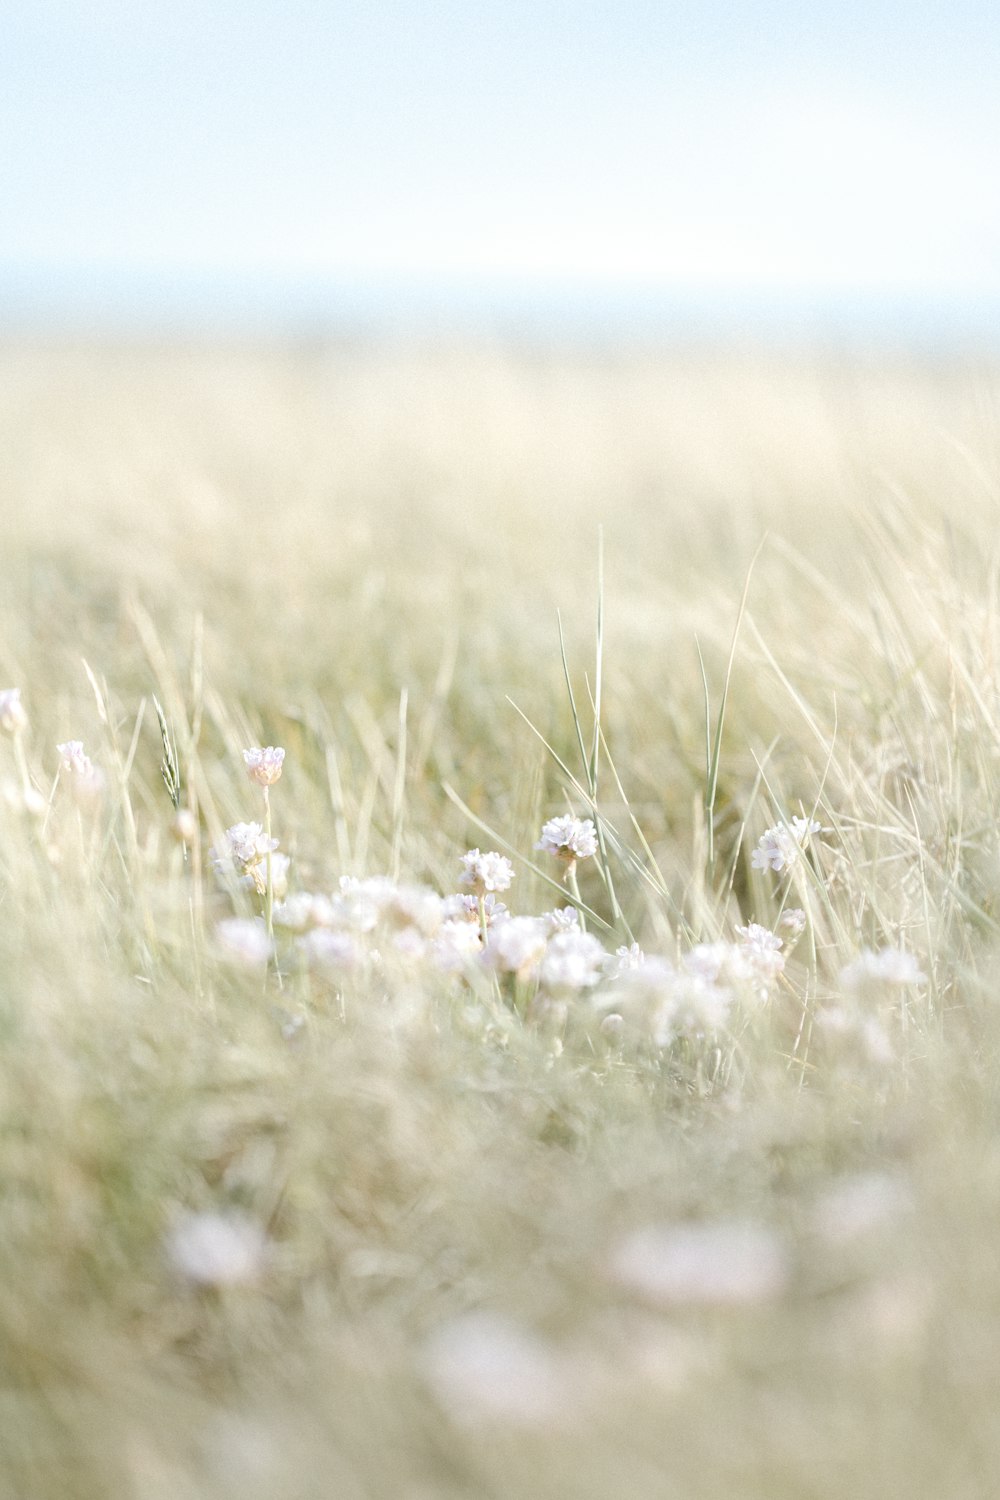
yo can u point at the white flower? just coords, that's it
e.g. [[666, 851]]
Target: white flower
[[486, 872], [302, 911], [693, 1006], [330, 950], [794, 921], [86, 779], [361, 904], [517, 946], [245, 854], [214, 1249], [416, 906], [455, 945], [762, 949], [721, 1264], [569, 838], [563, 919], [572, 961], [626, 959], [245, 940], [780, 847], [462, 908], [889, 966], [483, 1368], [13, 718], [264, 765]]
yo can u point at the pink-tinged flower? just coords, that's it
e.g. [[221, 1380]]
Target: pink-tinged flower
[[245, 855], [87, 780], [794, 921], [244, 940], [264, 765], [779, 848], [461, 908], [13, 719], [569, 839], [486, 872]]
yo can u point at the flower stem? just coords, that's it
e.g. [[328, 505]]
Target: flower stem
[[269, 898], [574, 890]]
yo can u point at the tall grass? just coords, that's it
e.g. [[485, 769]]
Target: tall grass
[[471, 1276]]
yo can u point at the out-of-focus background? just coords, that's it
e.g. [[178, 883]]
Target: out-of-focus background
[[596, 168]]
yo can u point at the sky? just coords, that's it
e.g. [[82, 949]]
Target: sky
[[164, 157]]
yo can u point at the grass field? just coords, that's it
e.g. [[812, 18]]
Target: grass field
[[366, 1213]]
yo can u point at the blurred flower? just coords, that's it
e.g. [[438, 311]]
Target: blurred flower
[[330, 950], [216, 1249], [87, 780], [889, 966], [794, 921], [264, 765], [486, 872], [572, 961], [721, 1264], [482, 1367], [517, 946], [455, 945], [762, 949], [245, 940], [13, 718]]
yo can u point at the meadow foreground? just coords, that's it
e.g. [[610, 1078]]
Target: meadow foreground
[[571, 1066]]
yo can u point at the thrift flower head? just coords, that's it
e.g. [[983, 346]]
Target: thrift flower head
[[794, 921], [517, 946], [763, 951], [245, 940], [780, 847], [264, 765], [890, 966], [87, 779], [572, 961], [13, 718], [569, 839], [245, 853], [212, 1249], [486, 872], [563, 919], [460, 908]]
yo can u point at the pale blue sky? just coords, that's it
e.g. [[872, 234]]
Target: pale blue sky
[[718, 151]]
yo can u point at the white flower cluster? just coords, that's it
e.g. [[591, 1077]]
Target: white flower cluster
[[780, 847], [569, 839], [555, 970], [891, 967], [244, 857], [86, 779], [486, 872]]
